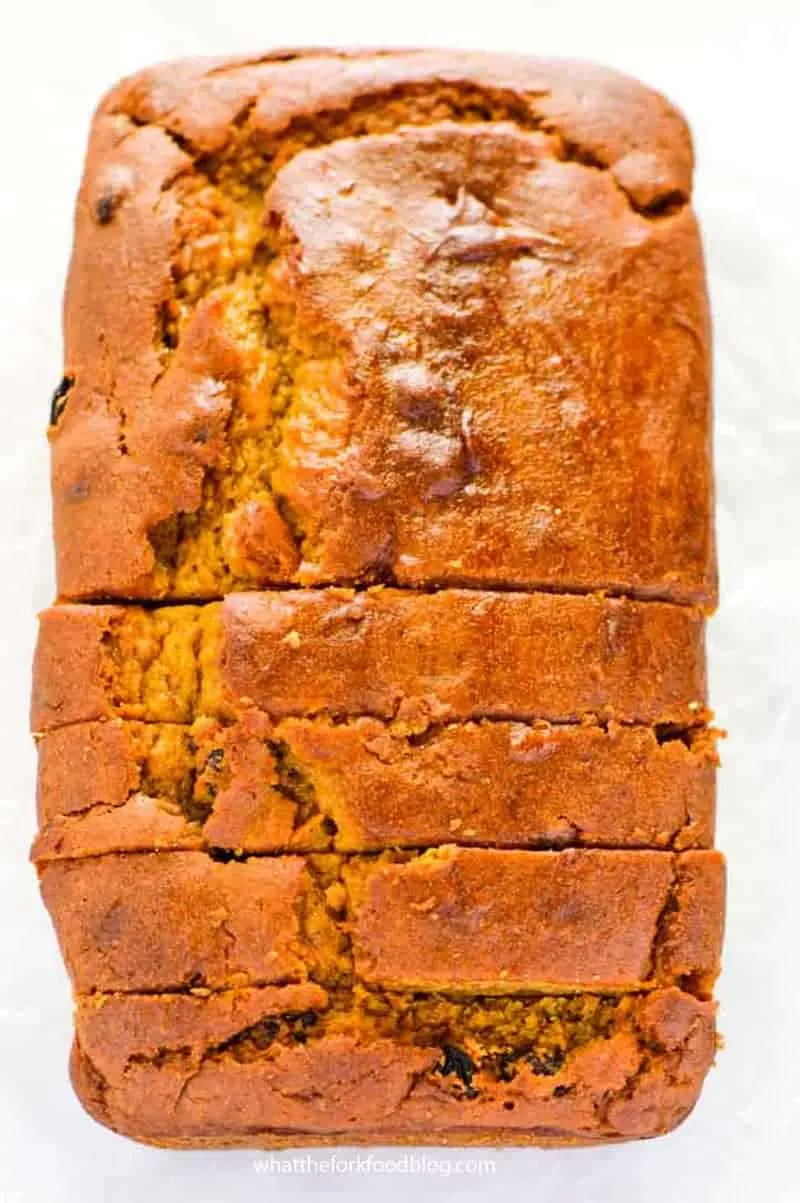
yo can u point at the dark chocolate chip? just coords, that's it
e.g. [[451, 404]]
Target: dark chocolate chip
[[457, 1062], [262, 1034], [215, 759], [59, 399], [306, 1019], [225, 855], [169, 335], [299, 1022], [546, 1065], [106, 206], [506, 1066]]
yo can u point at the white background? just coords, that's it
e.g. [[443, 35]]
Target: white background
[[734, 69]]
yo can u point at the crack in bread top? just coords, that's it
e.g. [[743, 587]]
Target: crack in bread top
[[408, 319]]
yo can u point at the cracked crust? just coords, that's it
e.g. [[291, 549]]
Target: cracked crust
[[385, 653], [638, 1076], [259, 786], [519, 210]]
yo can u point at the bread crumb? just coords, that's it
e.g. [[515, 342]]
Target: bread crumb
[[336, 897]]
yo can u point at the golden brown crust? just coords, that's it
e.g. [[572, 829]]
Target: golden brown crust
[[640, 1079], [524, 226], [609, 115], [306, 784], [477, 919], [459, 654], [689, 942], [153, 922], [89, 765], [70, 677], [421, 658], [444, 437]]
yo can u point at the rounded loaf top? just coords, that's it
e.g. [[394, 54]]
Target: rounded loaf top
[[416, 318]]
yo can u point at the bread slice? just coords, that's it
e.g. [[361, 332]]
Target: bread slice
[[480, 920], [257, 785], [236, 1067], [385, 653]]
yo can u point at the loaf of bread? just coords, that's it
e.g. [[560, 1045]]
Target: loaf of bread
[[376, 774]]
